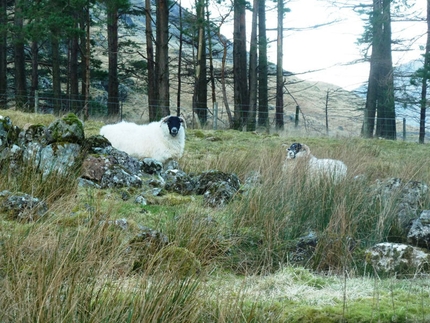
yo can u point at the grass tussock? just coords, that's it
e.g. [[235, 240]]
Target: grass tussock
[[79, 276], [28, 179], [232, 264]]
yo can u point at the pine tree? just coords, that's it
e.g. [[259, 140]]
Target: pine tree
[[380, 93]]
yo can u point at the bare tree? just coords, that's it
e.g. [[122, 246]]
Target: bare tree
[[73, 65], [263, 95], [253, 70], [225, 44], [85, 25], [181, 41], [200, 85], [279, 68], [241, 95], [211, 64], [34, 71], [56, 73], [152, 81], [425, 78], [19, 42], [162, 58], [113, 83]]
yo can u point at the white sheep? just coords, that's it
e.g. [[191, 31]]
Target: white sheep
[[162, 140], [318, 168]]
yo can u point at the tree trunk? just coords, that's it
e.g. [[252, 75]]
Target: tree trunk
[[374, 74], [279, 69], [223, 81], [371, 100], [56, 75], [200, 88], [85, 48], [181, 42], [3, 54], [112, 32], [152, 82], [263, 96], [34, 72], [426, 71], [253, 70], [211, 65], [20, 76], [73, 73], [241, 96], [386, 113], [162, 58], [380, 92]]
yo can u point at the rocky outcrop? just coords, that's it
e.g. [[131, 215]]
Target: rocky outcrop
[[407, 196], [406, 258], [56, 148], [62, 148], [21, 206], [419, 234], [398, 259], [405, 200]]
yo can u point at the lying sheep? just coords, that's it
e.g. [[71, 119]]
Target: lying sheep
[[162, 140], [331, 168]]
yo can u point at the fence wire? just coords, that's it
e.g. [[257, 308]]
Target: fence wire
[[329, 122]]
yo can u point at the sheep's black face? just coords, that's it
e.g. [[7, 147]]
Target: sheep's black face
[[293, 150], [174, 124]]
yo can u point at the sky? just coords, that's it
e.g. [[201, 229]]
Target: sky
[[329, 49]]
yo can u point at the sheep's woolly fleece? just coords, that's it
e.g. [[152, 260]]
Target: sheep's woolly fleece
[[332, 168], [162, 140]]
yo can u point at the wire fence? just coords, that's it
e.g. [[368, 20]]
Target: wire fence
[[330, 123]]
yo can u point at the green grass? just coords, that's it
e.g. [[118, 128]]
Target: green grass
[[72, 265]]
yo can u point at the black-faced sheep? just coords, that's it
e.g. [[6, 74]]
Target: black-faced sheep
[[162, 140], [328, 168]]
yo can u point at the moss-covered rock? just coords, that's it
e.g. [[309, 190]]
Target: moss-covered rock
[[8, 132], [95, 144], [398, 259], [207, 178], [34, 133], [67, 129], [21, 206]]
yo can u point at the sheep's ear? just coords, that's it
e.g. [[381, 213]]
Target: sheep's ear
[[306, 148], [182, 120], [165, 119]]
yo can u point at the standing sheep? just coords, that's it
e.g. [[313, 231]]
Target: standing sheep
[[329, 168], [162, 140]]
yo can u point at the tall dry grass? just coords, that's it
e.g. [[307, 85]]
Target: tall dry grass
[[48, 274], [348, 217]]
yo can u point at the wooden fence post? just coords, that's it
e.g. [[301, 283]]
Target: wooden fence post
[[36, 101], [296, 120], [215, 123]]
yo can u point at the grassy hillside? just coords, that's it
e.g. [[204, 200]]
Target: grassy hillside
[[221, 265]]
